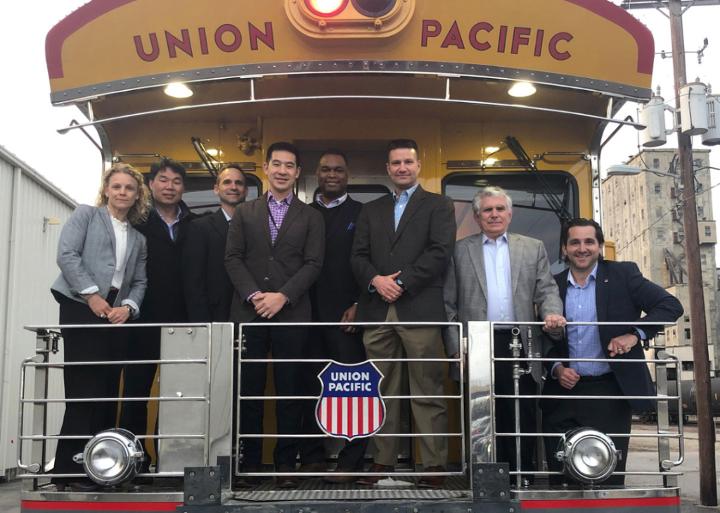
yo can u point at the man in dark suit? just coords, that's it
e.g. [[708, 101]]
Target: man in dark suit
[[208, 290], [334, 299], [403, 244], [274, 254], [165, 230], [596, 290]]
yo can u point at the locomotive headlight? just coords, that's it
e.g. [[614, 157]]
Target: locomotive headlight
[[112, 457], [589, 456]]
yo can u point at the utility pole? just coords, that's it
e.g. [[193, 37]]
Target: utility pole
[[706, 427]]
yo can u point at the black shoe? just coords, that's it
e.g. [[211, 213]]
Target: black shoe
[[340, 479], [83, 485], [312, 468]]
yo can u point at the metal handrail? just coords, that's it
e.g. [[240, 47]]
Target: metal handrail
[[665, 465], [38, 362]]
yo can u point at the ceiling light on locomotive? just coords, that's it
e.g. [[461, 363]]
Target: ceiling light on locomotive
[[326, 8], [374, 8], [522, 90]]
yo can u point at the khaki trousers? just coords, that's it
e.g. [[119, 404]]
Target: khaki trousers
[[429, 415]]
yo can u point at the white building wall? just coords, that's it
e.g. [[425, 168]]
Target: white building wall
[[32, 213]]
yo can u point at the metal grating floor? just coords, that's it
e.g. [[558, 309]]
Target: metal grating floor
[[456, 487]]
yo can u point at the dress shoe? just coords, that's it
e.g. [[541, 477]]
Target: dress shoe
[[375, 467], [313, 468], [433, 482], [339, 479], [75, 485], [286, 482]]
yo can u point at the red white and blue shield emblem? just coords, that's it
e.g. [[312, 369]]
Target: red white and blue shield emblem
[[350, 405]]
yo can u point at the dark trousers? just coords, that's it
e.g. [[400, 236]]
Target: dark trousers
[[86, 381], [144, 344], [332, 343], [605, 415], [282, 342], [505, 409]]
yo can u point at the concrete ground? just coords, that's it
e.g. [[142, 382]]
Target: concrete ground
[[643, 456]]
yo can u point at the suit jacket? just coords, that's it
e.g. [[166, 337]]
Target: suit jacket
[[622, 294], [164, 300], [534, 292], [208, 291], [290, 266], [420, 248], [86, 257], [336, 290]]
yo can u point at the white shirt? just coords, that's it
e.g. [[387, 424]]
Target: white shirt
[[121, 235], [334, 203], [498, 278]]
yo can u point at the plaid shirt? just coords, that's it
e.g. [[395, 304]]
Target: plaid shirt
[[277, 210]]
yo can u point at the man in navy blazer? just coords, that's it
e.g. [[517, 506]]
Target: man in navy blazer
[[596, 290], [208, 290]]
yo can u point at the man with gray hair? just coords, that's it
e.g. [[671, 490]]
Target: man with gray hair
[[503, 277]]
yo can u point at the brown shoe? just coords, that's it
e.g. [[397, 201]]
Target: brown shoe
[[339, 479], [286, 482], [433, 482], [375, 468]]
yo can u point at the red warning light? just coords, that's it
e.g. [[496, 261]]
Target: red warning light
[[326, 8]]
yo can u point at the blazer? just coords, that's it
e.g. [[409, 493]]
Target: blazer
[[289, 266], [420, 248], [208, 291], [622, 294], [164, 301], [534, 292], [86, 257], [336, 290]]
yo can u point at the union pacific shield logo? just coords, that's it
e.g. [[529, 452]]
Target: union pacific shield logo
[[350, 405]]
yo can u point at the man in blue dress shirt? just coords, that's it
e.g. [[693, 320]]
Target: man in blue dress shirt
[[595, 290]]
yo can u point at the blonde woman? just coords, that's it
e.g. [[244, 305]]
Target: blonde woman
[[102, 281]]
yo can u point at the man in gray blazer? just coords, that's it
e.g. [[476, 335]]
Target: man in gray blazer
[[503, 277]]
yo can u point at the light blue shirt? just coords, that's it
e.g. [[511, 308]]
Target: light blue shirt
[[498, 278], [584, 341], [401, 201]]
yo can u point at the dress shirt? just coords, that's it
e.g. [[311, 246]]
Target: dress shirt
[[121, 234], [584, 341], [172, 226], [498, 278], [277, 210], [334, 203], [401, 201], [228, 218]]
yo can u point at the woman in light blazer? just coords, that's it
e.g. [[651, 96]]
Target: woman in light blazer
[[102, 281]]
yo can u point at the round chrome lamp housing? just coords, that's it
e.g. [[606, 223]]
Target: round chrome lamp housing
[[113, 457], [589, 456]]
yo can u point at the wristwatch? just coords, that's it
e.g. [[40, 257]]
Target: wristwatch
[[130, 308]]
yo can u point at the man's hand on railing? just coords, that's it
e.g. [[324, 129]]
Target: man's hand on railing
[[566, 376], [622, 344], [554, 324]]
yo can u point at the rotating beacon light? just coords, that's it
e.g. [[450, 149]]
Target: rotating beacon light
[[329, 19]]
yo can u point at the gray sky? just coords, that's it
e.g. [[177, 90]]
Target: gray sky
[[29, 122]]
